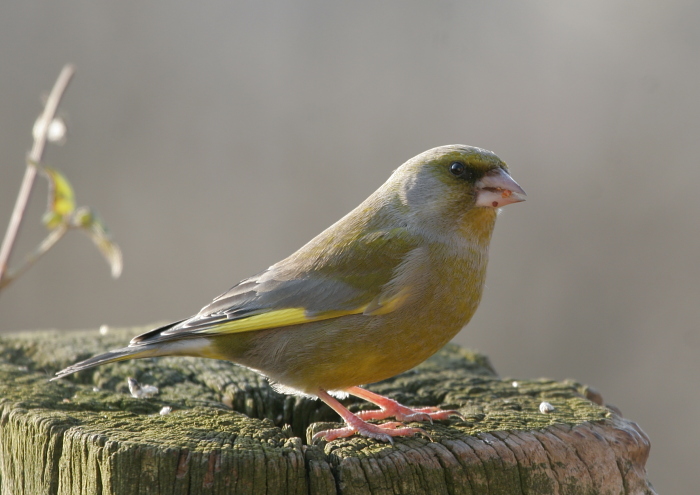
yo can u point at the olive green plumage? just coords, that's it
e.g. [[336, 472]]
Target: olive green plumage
[[373, 295]]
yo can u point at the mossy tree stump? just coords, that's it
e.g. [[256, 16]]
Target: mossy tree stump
[[229, 432]]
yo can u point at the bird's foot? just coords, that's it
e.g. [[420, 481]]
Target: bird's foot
[[403, 413], [384, 432], [392, 409]]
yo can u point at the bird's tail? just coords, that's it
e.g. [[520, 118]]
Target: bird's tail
[[135, 352]]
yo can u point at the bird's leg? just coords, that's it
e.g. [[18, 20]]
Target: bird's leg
[[383, 432], [392, 409]]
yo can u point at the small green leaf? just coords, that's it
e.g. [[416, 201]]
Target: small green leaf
[[89, 222], [51, 219], [61, 203]]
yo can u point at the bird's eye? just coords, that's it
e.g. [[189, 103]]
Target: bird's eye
[[460, 170], [457, 168]]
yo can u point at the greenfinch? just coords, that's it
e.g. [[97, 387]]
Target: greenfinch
[[375, 294]]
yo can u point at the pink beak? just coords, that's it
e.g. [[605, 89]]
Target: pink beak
[[497, 188]]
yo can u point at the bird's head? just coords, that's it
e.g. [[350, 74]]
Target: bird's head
[[454, 186]]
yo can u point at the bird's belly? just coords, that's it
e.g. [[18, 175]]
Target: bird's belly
[[345, 352]]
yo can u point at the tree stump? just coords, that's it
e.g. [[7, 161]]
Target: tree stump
[[229, 432]]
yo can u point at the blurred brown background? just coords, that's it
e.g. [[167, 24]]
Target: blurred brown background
[[216, 138]]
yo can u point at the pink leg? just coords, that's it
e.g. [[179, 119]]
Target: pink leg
[[392, 409], [383, 432]]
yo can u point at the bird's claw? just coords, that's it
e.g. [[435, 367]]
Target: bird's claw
[[435, 413], [405, 414]]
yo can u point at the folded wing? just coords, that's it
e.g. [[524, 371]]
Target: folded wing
[[316, 283]]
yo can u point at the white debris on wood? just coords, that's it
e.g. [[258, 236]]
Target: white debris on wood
[[139, 391]]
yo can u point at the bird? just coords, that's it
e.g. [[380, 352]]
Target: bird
[[372, 296]]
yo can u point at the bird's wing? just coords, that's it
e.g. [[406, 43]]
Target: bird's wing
[[316, 283]]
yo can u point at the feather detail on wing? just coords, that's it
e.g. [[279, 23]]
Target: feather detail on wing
[[293, 292]]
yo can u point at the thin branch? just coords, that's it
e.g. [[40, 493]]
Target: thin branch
[[34, 158], [54, 236]]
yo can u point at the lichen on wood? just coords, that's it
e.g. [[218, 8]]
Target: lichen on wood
[[229, 432]]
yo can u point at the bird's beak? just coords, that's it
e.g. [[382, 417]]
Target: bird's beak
[[496, 188]]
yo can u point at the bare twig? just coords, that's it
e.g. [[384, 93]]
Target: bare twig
[[54, 236], [34, 158]]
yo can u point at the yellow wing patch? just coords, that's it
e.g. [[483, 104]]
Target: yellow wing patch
[[274, 319], [380, 305]]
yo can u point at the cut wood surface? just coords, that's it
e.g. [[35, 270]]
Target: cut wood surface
[[229, 432]]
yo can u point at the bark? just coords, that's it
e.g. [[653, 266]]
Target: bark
[[229, 432]]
